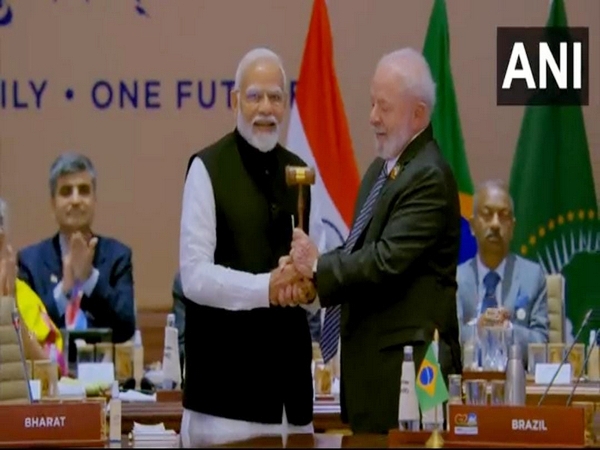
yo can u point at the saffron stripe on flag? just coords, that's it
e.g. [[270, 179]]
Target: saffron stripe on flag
[[319, 133]]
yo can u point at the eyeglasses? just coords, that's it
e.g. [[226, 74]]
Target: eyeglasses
[[255, 97]]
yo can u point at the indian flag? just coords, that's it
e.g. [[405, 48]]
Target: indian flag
[[318, 132]]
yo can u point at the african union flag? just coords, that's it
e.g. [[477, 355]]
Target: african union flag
[[552, 185], [430, 386], [446, 121]]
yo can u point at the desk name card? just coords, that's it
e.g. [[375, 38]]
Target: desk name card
[[68, 423], [525, 425]]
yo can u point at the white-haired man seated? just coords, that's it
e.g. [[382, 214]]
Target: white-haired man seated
[[247, 343]]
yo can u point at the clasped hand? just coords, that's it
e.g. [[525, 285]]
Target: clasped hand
[[494, 317], [291, 282]]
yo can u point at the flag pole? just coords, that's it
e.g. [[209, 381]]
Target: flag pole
[[435, 440]]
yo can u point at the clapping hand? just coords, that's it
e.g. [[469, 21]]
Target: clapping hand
[[78, 261]]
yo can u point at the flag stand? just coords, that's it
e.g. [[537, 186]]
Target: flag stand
[[435, 440]]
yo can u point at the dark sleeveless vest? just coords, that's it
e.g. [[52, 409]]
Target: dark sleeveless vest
[[246, 365]]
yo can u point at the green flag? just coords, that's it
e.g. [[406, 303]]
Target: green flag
[[430, 386], [446, 121], [552, 185]]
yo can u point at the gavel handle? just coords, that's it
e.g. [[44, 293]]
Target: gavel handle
[[300, 207]]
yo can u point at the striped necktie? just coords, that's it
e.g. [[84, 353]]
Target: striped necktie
[[331, 325], [75, 318]]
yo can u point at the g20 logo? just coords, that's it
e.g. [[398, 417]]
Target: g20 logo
[[7, 15], [465, 419]]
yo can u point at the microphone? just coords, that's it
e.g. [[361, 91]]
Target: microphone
[[585, 361], [584, 322], [17, 326]]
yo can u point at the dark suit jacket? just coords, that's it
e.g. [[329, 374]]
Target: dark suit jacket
[[111, 304], [398, 285]]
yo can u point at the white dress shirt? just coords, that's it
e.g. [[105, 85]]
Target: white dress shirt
[[210, 284]]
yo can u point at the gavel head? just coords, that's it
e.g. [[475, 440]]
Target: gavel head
[[299, 175]]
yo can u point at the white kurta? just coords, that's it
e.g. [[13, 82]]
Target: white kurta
[[207, 283]]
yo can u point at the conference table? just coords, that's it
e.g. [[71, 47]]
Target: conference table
[[317, 440], [326, 415], [326, 418]]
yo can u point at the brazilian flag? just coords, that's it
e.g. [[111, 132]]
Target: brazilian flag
[[430, 386], [447, 129]]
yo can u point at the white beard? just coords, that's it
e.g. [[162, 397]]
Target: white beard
[[265, 142], [394, 144]]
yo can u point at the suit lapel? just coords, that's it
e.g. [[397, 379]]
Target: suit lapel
[[510, 283], [100, 255], [368, 185], [52, 258], [407, 155], [364, 193]]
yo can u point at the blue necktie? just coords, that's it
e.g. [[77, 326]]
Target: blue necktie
[[490, 281], [331, 325]]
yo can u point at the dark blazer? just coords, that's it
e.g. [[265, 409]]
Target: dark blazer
[[398, 285], [111, 304]]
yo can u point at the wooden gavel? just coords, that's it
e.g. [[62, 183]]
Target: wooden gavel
[[300, 176]]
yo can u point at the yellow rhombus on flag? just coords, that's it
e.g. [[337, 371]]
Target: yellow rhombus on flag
[[430, 386]]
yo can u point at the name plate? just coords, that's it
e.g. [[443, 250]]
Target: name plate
[[544, 426], [56, 423]]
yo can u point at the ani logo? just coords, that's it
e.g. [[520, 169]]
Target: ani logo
[[6, 12]]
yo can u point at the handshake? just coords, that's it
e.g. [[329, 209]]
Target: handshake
[[291, 283]]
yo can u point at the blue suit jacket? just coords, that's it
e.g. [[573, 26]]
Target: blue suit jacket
[[523, 288], [111, 304]]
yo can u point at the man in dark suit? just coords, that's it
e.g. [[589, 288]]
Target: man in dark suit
[[77, 273], [393, 282]]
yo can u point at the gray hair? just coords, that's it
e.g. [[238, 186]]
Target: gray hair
[[67, 164], [253, 56], [489, 185], [414, 70]]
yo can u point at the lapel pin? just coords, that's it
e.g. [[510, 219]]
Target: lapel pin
[[521, 314], [53, 279], [394, 172]]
